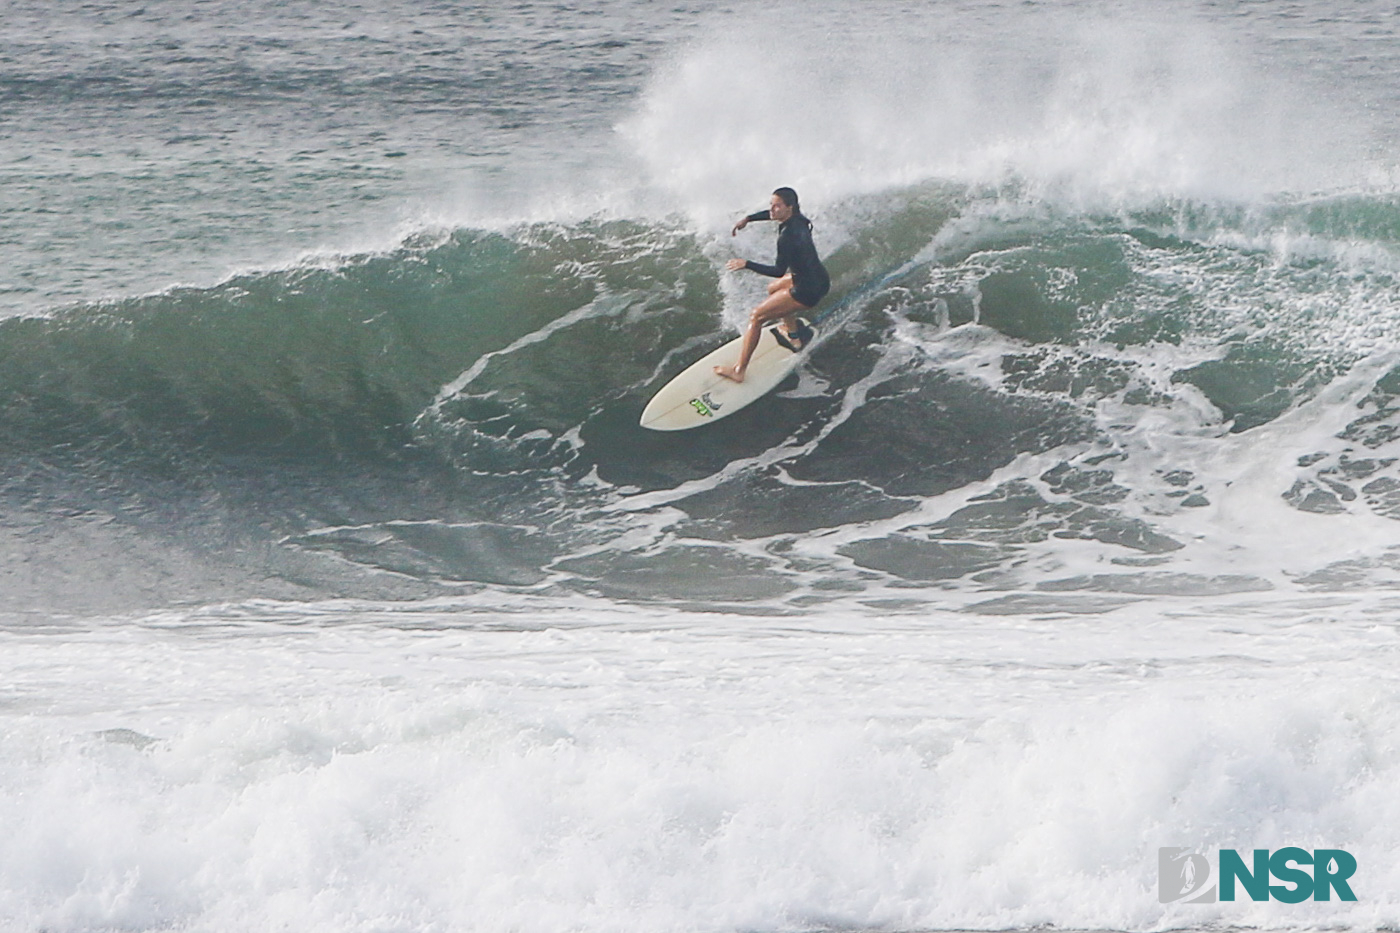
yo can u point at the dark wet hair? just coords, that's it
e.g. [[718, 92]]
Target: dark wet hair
[[789, 197]]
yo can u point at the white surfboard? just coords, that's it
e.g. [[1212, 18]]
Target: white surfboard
[[697, 396]]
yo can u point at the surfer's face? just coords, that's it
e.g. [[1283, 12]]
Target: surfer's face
[[778, 210]]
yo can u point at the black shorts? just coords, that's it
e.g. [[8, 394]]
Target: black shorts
[[808, 294]]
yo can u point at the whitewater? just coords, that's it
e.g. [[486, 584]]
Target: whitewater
[[340, 590]]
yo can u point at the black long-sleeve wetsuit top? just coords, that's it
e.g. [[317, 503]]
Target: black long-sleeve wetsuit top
[[798, 254]]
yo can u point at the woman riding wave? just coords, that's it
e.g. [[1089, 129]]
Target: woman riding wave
[[802, 280]]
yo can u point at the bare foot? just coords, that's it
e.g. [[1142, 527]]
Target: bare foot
[[729, 372]]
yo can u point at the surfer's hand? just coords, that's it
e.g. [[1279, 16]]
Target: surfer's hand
[[736, 264], [739, 226]]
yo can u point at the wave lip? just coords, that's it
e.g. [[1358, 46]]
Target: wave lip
[[1092, 109]]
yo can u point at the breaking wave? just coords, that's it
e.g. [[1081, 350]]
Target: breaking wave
[[1005, 385]]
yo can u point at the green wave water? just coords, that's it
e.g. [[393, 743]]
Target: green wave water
[[462, 410]]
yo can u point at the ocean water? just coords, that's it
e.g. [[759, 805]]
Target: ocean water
[[339, 590]]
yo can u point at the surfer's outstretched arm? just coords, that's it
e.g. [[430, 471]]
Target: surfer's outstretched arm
[[777, 271], [745, 221]]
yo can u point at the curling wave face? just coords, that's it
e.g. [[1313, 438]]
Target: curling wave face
[[1012, 398]]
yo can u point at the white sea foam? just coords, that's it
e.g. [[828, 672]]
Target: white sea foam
[[690, 773], [1093, 107]]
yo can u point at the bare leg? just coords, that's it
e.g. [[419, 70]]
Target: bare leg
[[789, 320], [780, 305]]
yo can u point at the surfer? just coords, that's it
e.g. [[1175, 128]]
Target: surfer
[[802, 280]]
